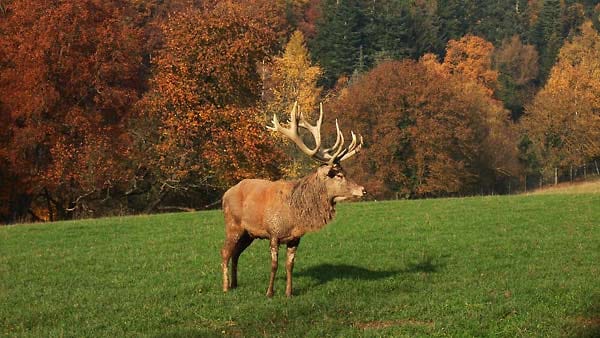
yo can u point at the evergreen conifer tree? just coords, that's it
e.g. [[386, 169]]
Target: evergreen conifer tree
[[547, 35], [336, 46]]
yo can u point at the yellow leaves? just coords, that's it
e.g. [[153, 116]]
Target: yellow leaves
[[292, 77], [563, 118], [583, 48]]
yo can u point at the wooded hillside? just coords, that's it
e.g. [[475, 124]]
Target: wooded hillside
[[128, 106]]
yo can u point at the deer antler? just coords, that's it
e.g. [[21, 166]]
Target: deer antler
[[330, 156]]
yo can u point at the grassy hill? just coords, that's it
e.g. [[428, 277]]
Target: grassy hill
[[491, 266], [584, 187]]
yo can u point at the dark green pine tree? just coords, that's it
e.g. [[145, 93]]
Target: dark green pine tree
[[573, 16], [498, 20], [388, 31], [337, 44], [426, 32], [547, 36], [455, 18]]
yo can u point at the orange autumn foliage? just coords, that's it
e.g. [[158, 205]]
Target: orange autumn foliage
[[563, 120], [427, 132], [471, 56], [197, 126], [69, 73]]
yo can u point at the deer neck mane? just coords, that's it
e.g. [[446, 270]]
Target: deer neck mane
[[309, 202]]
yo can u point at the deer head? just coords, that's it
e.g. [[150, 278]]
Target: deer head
[[337, 185]]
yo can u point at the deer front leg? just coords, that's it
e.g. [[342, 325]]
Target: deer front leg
[[289, 265], [274, 253]]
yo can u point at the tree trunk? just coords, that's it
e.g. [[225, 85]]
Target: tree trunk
[[571, 173], [152, 206], [555, 176]]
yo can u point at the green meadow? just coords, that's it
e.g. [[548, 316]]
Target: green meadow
[[506, 266]]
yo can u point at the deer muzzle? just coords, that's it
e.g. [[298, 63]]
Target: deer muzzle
[[359, 191]]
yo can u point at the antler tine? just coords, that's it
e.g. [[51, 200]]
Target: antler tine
[[353, 149], [343, 153], [353, 143], [314, 130], [337, 138], [275, 122], [277, 127], [305, 124], [297, 119], [292, 132], [294, 117], [348, 149], [334, 158]]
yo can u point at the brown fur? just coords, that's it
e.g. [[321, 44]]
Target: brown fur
[[281, 211], [310, 203]]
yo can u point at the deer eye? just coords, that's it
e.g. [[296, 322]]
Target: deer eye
[[339, 176]]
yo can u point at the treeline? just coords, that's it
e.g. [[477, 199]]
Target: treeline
[[115, 107]]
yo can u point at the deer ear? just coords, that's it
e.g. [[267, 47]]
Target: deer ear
[[324, 170]]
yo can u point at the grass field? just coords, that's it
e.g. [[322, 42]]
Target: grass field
[[491, 266]]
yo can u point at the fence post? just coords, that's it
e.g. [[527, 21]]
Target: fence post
[[556, 176]]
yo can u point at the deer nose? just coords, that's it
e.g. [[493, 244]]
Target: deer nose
[[359, 192]]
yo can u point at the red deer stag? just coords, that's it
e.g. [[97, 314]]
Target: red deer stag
[[283, 211]]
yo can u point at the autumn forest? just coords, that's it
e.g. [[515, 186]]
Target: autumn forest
[[111, 107]]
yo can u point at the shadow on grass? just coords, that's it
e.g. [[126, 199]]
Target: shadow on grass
[[324, 273], [426, 265]]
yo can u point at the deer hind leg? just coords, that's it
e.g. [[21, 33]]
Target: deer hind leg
[[274, 252], [292, 246], [233, 233], [226, 252], [244, 241]]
